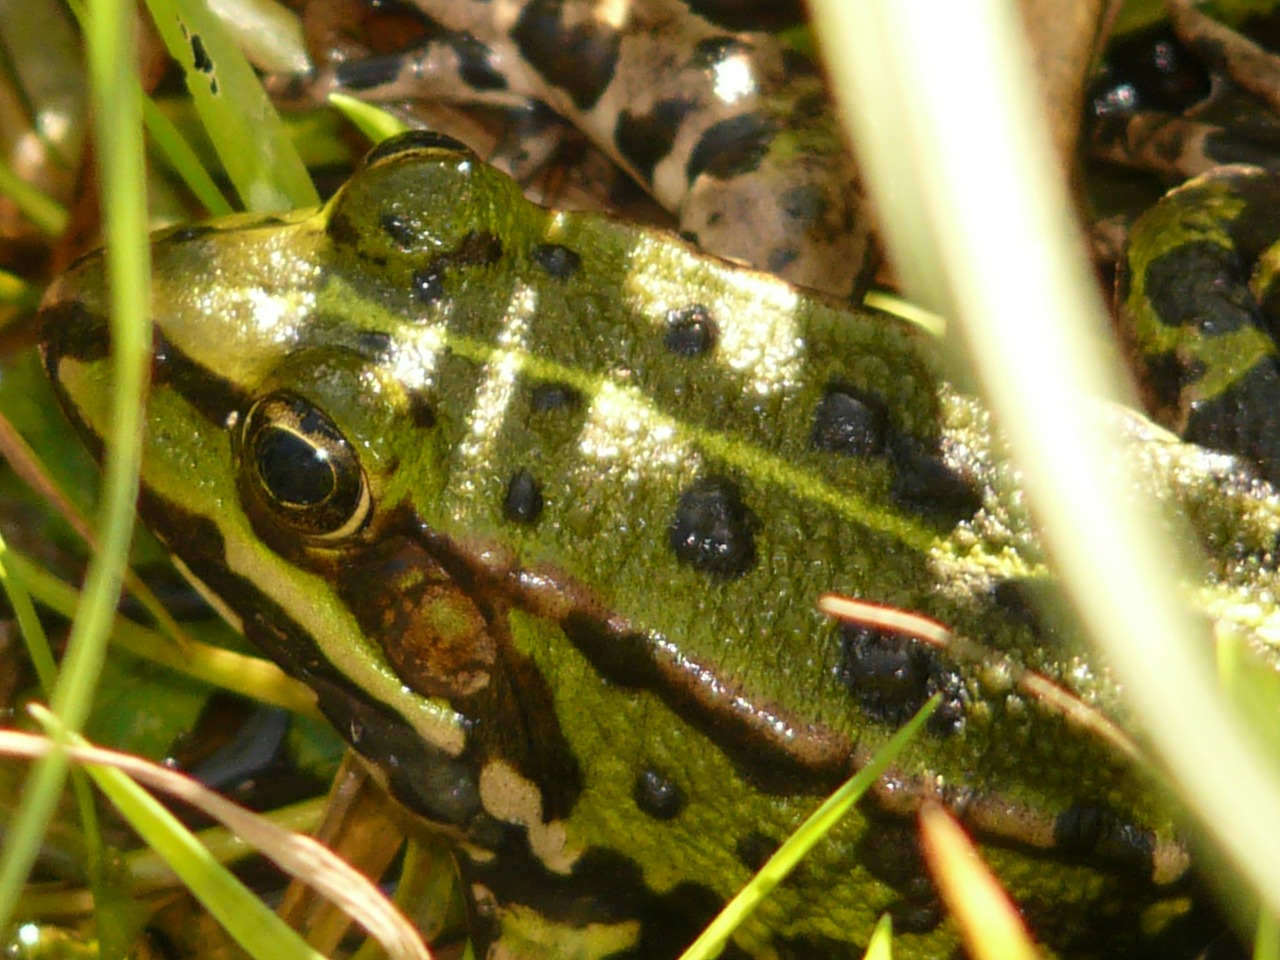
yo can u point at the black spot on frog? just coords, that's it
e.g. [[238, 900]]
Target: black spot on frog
[[523, 502], [558, 261], [892, 675], [713, 531], [690, 331], [658, 796]]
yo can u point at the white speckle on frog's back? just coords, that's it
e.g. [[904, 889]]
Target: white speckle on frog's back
[[754, 314], [622, 423], [497, 386]]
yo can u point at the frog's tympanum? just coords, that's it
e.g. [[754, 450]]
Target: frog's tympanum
[[540, 504]]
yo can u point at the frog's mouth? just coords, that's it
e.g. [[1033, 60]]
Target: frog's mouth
[[434, 784]]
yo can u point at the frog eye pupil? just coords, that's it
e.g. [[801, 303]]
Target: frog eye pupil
[[298, 474], [293, 469]]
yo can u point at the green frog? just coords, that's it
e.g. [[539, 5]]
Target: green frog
[[540, 504]]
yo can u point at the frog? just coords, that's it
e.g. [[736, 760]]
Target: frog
[[1198, 295], [1194, 295], [704, 105], [539, 503]]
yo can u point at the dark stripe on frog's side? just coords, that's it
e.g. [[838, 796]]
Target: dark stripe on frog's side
[[74, 332], [70, 329], [804, 763], [437, 786], [1124, 847], [1203, 339], [215, 397], [1092, 831]]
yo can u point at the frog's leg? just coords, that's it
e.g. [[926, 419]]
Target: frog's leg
[[1249, 65], [1199, 306], [1179, 147]]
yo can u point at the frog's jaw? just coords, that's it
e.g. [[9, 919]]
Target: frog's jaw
[[189, 498]]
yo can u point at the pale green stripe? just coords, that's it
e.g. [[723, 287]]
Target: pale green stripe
[[752, 460]]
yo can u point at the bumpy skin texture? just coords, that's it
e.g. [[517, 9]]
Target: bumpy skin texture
[[555, 572], [724, 125]]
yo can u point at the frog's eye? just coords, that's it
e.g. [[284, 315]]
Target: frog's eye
[[299, 467]]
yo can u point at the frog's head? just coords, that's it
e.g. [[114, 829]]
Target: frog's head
[[294, 355], [293, 433]]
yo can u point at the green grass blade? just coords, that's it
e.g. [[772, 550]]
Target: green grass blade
[[182, 158], [997, 247], [49, 216], [880, 946], [370, 119], [249, 921], [250, 676], [713, 939], [1266, 939], [245, 129], [110, 36], [15, 292], [24, 612]]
